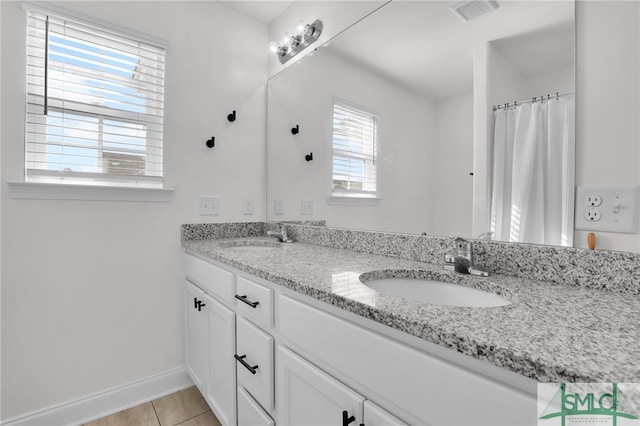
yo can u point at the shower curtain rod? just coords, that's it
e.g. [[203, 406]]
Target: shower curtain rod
[[533, 100]]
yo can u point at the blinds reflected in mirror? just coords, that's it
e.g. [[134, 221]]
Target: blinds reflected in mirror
[[354, 151]]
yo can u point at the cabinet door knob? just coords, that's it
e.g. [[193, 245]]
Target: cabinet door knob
[[200, 305], [243, 298], [240, 358], [346, 419]]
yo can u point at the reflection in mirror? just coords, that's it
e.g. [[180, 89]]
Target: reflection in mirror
[[423, 84]]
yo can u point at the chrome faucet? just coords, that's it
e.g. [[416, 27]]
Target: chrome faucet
[[462, 262], [282, 235]]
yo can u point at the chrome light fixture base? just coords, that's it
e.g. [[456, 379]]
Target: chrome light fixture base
[[298, 43]]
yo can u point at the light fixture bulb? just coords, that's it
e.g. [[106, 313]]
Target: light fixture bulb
[[286, 39], [273, 47], [301, 28]]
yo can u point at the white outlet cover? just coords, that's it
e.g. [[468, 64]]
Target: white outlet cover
[[278, 206], [247, 206], [617, 209], [306, 206]]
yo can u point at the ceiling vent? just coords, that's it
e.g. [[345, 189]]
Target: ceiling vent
[[470, 9]]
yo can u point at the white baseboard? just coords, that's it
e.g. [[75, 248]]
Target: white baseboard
[[108, 402]]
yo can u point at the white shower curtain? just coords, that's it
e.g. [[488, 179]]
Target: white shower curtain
[[533, 172]]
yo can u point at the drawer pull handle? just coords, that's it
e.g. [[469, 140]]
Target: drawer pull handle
[[251, 369], [195, 303], [346, 419], [248, 302]]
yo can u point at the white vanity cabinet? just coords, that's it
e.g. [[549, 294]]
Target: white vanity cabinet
[[416, 386], [279, 357], [197, 344], [229, 357], [255, 362], [308, 396], [211, 338], [222, 365]]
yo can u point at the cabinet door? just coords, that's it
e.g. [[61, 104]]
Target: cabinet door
[[197, 337], [376, 416], [221, 393], [309, 396], [249, 412]]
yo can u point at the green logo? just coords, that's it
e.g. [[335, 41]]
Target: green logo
[[587, 400]]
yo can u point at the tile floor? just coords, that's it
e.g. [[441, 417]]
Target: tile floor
[[184, 408]]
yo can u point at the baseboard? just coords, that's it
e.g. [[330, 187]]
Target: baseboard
[[108, 402]]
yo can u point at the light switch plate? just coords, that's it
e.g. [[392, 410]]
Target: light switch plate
[[209, 206], [607, 208]]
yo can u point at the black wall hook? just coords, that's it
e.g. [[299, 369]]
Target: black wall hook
[[211, 142], [309, 156], [232, 117], [295, 130]]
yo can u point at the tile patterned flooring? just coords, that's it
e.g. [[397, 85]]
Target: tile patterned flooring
[[184, 408]]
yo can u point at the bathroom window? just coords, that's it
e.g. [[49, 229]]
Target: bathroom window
[[95, 100], [354, 151]]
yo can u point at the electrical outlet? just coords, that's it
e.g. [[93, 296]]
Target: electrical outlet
[[593, 215], [306, 206], [607, 208], [209, 206], [593, 200], [247, 206], [278, 206]]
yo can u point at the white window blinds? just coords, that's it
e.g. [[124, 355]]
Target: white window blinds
[[94, 104], [354, 151]]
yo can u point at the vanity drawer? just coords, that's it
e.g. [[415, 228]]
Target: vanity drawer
[[212, 279], [249, 412], [255, 301], [255, 362]]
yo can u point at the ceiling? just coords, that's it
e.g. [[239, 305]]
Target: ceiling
[[262, 11], [423, 45]]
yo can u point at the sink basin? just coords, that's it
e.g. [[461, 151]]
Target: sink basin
[[250, 245], [250, 248], [436, 292]]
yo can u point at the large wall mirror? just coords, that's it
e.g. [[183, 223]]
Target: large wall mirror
[[397, 130]]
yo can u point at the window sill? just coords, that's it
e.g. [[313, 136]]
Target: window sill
[[352, 200], [58, 191]]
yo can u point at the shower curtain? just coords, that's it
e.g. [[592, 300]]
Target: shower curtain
[[533, 172]]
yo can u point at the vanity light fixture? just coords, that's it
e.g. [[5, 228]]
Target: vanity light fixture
[[291, 45]]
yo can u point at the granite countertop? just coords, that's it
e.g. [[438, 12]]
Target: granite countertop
[[550, 332]]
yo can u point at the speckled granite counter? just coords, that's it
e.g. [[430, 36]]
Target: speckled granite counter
[[550, 332]]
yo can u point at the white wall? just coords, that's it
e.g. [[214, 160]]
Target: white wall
[[406, 131], [608, 103], [452, 201], [92, 291]]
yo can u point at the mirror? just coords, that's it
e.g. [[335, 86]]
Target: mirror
[[430, 80]]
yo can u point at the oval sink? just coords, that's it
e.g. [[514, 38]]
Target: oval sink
[[250, 245], [436, 292], [250, 248]]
